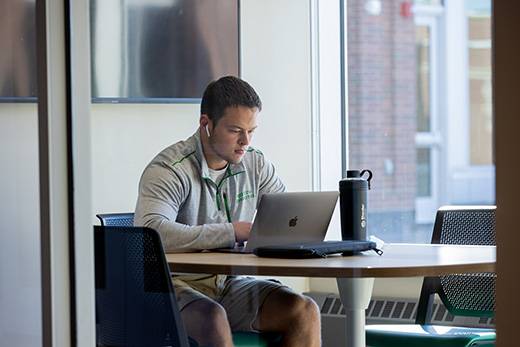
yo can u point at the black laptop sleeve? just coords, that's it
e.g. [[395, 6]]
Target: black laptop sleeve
[[316, 249]]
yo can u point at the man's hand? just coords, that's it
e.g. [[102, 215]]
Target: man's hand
[[242, 230]]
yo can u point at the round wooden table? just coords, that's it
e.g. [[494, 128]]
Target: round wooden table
[[355, 275]]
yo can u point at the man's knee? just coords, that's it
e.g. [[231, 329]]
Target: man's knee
[[304, 308], [208, 315], [300, 308]]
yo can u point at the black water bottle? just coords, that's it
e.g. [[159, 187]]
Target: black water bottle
[[353, 198]]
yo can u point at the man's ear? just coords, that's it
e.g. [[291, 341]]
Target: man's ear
[[205, 123], [204, 120]]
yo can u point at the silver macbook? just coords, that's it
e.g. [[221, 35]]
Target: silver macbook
[[285, 218]]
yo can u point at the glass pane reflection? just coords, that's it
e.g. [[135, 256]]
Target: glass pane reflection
[[20, 282]]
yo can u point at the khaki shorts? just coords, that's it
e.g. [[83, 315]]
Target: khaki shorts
[[241, 297]]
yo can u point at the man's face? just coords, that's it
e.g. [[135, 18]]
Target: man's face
[[232, 134]]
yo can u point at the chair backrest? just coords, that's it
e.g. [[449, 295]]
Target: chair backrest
[[135, 300], [464, 294], [117, 219]]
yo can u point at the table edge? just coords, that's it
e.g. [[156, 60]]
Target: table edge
[[266, 270]]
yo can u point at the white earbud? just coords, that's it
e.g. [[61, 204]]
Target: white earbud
[[207, 131]]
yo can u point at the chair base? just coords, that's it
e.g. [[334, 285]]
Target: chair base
[[407, 335], [250, 339]]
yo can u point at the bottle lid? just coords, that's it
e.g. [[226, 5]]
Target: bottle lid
[[355, 180], [353, 173]]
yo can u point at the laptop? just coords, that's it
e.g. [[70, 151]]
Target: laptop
[[286, 218]]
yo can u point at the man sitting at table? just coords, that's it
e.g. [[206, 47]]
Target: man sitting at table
[[202, 193]]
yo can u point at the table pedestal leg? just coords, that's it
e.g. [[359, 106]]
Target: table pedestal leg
[[355, 295]]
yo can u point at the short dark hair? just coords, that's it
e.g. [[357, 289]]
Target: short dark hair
[[228, 91]]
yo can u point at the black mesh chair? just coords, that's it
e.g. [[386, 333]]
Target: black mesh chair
[[117, 223], [116, 219], [462, 295], [135, 301]]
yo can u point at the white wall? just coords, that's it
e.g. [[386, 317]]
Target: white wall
[[125, 137], [403, 287], [275, 55], [20, 288]]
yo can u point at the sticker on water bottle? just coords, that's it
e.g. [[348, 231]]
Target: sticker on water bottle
[[363, 216]]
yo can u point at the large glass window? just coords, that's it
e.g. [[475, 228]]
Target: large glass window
[[426, 147]]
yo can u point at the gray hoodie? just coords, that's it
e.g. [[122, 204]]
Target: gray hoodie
[[178, 198]]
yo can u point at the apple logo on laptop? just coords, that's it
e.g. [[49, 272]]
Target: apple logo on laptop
[[293, 221]]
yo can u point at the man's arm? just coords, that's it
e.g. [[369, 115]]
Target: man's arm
[[161, 193], [269, 180]]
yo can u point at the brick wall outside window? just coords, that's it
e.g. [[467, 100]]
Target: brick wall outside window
[[382, 109]]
